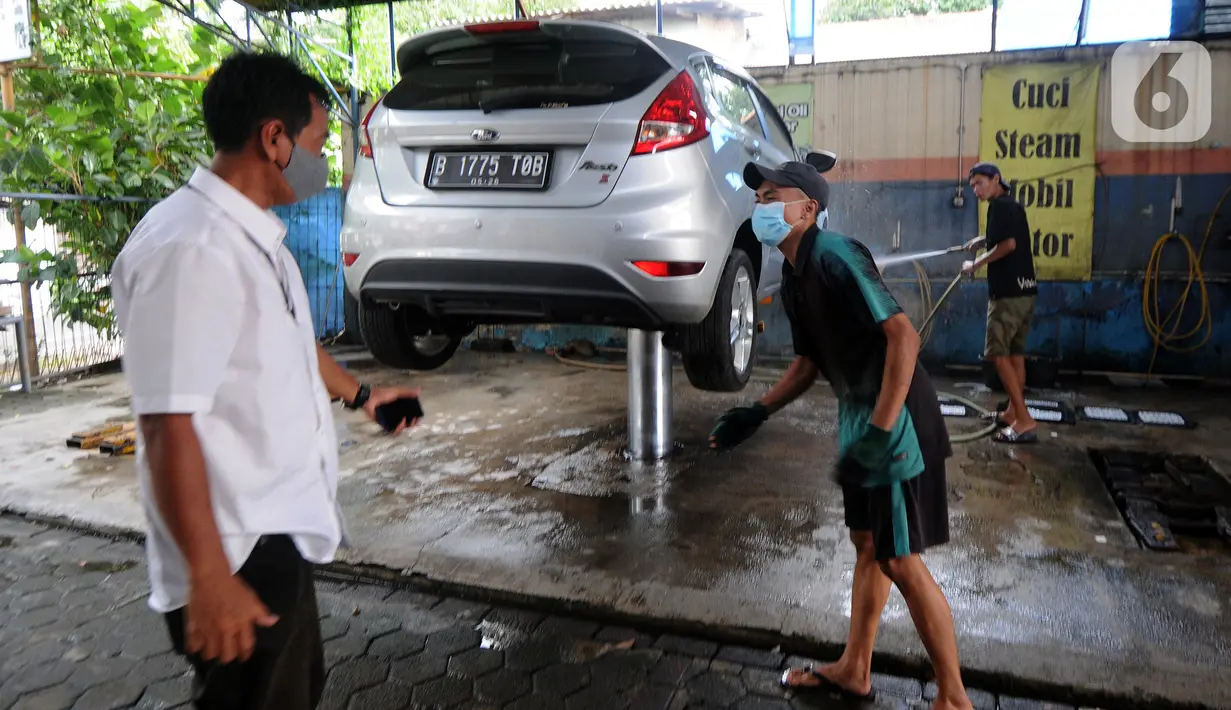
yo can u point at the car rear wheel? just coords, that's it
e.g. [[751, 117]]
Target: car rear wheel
[[396, 338], [718, 352], [350, 320]]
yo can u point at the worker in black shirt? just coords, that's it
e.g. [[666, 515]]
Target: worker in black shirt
[[892, 440], [1011, 290]]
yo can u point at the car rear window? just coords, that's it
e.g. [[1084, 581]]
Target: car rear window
[[554, 66]]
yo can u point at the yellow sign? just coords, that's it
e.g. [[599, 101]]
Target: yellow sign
[[1039, 126]]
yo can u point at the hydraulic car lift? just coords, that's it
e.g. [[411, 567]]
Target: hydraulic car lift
[[649, 396]]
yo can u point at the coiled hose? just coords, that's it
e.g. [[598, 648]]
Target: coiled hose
[[925, 331], [1164, 330]]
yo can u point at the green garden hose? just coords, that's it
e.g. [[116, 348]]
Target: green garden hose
[[972, 436]]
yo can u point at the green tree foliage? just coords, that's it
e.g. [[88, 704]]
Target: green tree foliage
[[100, 136], [859, 10]]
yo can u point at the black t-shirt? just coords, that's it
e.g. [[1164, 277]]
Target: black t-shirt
[[1014, 274], [837, 303]]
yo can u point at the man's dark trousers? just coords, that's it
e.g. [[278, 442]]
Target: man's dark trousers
[[287, 667]]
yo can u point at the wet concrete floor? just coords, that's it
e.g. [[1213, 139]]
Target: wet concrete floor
[[517, 482]]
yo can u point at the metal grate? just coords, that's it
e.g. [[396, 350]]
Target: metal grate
[[63, 348], [1170, 502], [1217, 17]]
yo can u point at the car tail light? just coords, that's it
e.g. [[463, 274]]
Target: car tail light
[[365, 141], [349, 258], [489, 28], [668, 269], [676, 118]]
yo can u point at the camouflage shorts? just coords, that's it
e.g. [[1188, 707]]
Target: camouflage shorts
[[1008, 325]]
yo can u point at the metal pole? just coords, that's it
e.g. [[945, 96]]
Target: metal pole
[[649, 396], [658, 15], [23, 356], [393, 52], [995, 14], [8, 100], [1083, 22], [354, 87]]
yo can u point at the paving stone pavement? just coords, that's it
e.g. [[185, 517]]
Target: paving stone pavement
[[75, 633]]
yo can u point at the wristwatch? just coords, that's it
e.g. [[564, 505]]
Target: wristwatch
[[361, 398]]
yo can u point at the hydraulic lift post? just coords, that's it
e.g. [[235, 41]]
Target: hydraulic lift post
[[649, 396]]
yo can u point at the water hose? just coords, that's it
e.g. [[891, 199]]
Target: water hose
[[958, 439], [1165, 330], [991, 427]]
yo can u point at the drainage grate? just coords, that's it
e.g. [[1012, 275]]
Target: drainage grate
[[1162, 496]]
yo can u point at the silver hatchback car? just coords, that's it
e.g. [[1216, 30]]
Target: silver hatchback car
[[562, 172]]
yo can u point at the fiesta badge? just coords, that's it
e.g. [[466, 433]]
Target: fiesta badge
[[484, 135]]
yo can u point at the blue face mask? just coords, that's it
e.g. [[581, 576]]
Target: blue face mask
[[769, 224]]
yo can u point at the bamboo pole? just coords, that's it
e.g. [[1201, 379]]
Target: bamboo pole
[[35, 66], [8, 99]]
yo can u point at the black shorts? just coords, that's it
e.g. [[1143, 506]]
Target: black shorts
[[287, 667], [905, 518]]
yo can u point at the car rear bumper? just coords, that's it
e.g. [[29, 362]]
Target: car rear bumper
[[508, 292], [532, 265]]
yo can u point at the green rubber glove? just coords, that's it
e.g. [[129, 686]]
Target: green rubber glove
[[869, 453], [736, 425]]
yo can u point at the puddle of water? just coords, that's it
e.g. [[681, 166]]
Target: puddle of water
[[501, 635], [108, 567]]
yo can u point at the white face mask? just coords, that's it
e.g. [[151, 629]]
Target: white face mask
[[307, 175]]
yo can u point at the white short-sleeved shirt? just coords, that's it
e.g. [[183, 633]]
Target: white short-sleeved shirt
[[216, 324]]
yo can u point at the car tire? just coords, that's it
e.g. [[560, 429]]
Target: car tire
[[715, 348], [351, 334], [389, 336]]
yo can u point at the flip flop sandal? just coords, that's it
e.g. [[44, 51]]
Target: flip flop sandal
[[1010, 436], [825, 686]]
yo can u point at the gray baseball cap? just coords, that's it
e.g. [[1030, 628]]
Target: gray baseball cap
[[790, 174]]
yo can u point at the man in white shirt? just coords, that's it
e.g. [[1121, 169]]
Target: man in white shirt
[[237, 452]]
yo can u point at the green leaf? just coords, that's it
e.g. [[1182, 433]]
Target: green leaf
[[162, 179], [14, 119], [30, 213], [132, 180], [145, 111]]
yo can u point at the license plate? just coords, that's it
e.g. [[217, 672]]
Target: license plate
[[489, 170]]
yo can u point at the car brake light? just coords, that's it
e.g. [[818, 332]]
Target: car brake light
[[498, 27], [676, 118], [365, 143], [668, 269], [349, 258]]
